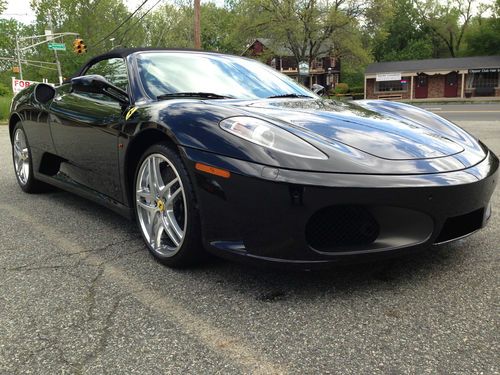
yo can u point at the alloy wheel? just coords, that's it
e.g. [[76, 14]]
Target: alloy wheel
[[161, 205], [21, 156]]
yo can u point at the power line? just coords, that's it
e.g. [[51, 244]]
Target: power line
[[121, 24], [136, 22]]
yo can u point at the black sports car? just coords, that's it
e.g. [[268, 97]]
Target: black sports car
[[218, 152]]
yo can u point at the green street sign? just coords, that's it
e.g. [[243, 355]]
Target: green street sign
[[57, 46]]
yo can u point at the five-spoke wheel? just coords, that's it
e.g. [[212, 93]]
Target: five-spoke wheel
[[21, 156], [164, 205], [23, 164]]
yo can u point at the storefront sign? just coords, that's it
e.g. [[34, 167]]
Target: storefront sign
[[388, 77], [484, 70], [303, 68]]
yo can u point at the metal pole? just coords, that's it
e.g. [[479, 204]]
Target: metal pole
[[18, 54], [58, 64], [197, 25]]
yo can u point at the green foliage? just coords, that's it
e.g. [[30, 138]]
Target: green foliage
[[483, 36], [356, 89], [4, 90], [4, 107], [401, 37], [341, 88], [307, 28], [352, 72]]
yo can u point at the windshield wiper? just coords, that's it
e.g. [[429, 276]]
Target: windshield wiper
[[291, 95], [203, 95]]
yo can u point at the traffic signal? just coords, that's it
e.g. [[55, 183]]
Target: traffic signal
[[79, 47]]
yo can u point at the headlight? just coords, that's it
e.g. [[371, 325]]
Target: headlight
[[268, 135]]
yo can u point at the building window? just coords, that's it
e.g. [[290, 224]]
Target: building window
[[390, 86], [489, 79]]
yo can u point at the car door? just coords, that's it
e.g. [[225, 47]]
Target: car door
[[85, 128]]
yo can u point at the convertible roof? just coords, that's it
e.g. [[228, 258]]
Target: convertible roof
[[124, 52]]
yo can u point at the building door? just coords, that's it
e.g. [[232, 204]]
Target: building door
[[421, 88], [451, 85]]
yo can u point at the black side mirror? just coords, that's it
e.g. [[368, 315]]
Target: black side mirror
[[44, 93], [97, 84]]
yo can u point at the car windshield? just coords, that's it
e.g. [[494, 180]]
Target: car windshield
[[164, 73]]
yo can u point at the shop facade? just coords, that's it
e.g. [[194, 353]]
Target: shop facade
[[460, 78]]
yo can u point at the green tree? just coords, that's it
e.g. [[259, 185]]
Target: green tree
[[401, 37], [483, 36], [447, 21], [306, 27]]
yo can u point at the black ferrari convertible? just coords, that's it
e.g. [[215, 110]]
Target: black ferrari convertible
[[223, 153]]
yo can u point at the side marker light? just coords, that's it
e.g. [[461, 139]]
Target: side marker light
[[212, 170]]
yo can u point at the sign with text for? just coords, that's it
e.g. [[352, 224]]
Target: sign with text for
[[388, 77], [20, 84]]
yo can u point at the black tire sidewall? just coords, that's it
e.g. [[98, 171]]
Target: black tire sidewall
[[191, 248]]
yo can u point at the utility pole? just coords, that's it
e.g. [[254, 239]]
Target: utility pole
[[58, 64], [197, 25], [18, 55]]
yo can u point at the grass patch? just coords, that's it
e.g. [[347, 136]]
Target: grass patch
[[4, 108]]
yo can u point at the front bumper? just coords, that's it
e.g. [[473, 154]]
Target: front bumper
[[265, 214]]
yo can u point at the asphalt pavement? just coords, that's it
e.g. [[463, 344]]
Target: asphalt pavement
[[79, 294]]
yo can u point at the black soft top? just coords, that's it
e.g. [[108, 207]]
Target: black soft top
[[124, 52]]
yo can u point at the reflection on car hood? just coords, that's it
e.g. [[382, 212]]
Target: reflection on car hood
[[390, 133]]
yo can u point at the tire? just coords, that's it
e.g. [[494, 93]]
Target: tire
[[166, 215], [23, 162]]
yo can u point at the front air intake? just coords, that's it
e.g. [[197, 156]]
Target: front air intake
[[336, 227]]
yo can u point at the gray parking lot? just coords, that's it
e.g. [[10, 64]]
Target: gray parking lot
[[79, 294]]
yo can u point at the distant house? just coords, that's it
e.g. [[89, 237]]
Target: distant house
[[460, 77], [324, 70]]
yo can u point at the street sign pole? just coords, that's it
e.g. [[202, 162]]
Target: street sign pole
[[58, 64]]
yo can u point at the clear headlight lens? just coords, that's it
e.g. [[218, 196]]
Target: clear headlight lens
[[268, 135]]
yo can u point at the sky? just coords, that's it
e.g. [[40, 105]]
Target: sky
[[21, 11]]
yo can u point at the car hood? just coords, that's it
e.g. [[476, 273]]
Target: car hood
[[366, 127]]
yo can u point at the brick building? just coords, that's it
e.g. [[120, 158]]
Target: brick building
[[460, 77], [324, 70]]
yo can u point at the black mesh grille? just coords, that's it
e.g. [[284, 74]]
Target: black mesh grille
[[335, 227]]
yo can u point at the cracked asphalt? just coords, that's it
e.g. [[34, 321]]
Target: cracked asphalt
[[79, 294]]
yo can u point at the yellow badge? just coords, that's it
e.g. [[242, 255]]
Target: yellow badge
[[160, 205], [130, 112]]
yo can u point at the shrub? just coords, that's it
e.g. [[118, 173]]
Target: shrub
[[4, 90], [341, 88], [357, 90], [4, 108]]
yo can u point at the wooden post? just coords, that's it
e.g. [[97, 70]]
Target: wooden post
[[411, 88], [365, 85], [463, 86], [197, 25]]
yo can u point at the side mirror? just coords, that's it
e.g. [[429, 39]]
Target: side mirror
[[44, 93], [318, 89], [97, 84]]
